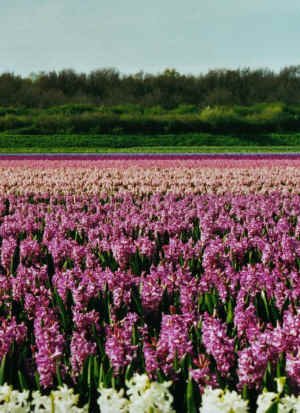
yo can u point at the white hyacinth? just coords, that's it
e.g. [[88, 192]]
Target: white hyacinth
[[220, 401], [59, 401], [142, 396], [286, 404], [5, 391], [66, 401], [265, 401], [149, 397], [289, 404], [41, 403], [13, 401], [137, 385], [112, 401]]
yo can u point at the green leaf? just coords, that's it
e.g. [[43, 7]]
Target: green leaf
[[95, 370], [37, 380], [58, 375], [208, 302], [264, 299], [245, 392], [89, 381], [2, 370], [101, 375], [136, 297], [280, 366], [229, 312], [22, 380], [128, 372], [273, 408], [190, 401]]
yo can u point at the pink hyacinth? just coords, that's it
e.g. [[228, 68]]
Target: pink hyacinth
[[49, 345], [174, 342], [218, 344], [119, 347]]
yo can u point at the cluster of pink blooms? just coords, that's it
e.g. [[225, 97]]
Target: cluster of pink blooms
[[143, 175], [201, 285]]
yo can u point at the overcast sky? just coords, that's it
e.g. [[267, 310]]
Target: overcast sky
[[131, 35]]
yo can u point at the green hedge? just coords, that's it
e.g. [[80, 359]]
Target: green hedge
[[130, 141], [88, 119]]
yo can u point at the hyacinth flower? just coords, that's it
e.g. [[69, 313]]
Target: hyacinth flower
[[49, 344], [198, 283], [174, 342], [218, 344], [119, 347]]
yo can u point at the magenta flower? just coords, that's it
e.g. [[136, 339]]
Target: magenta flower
[[218, 344]]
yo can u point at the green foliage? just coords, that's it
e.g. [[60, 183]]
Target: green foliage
[[135, 120], [183, 142], [168, 89], [219, 114]]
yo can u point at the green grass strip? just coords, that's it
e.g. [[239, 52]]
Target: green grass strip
[[153, 149]]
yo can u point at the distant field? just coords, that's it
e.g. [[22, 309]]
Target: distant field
[[149, 143]]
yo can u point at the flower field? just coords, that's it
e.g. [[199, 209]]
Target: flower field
[[150, 284]]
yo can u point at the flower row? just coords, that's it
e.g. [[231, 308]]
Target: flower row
[[218, 176], [143, 396]]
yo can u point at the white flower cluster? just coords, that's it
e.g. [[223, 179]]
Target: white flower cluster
[[285, 404], [143, 396], [222, 401], [13, 401], [59, 401]]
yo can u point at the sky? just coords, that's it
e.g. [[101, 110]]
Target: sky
[[191, 36]]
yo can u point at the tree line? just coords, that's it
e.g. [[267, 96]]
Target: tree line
[[168, 89]]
